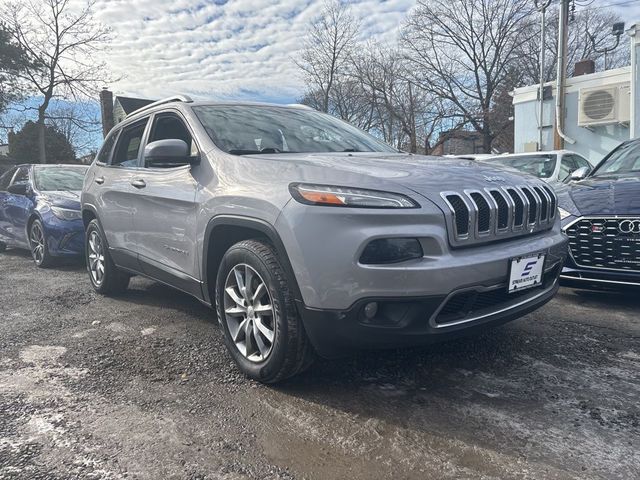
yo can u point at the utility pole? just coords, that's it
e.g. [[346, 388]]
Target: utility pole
[[563, 37], [542, 6]]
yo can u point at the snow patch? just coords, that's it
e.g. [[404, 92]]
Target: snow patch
[[42, 354], [148, 331]]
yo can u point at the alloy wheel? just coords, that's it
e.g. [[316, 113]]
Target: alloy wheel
[[248, 312], [37, 243], [96, 258]]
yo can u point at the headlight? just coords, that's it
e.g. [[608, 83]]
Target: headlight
[[66, 213], [334, 196], [563, 213]]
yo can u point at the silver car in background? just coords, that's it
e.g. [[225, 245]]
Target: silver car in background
[[310, 236], [555, 166]]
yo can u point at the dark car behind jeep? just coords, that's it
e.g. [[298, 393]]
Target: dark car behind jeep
[[601, 216]]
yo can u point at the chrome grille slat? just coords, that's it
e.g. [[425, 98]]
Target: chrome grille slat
[[596, 242], [479, 216]]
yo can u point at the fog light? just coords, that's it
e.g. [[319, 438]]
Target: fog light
[[370, 310], [391, 250]]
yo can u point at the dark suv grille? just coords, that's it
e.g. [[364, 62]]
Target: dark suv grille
[[483, 215], [610, 243]]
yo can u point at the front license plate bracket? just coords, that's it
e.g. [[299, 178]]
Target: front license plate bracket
[[526, 272]]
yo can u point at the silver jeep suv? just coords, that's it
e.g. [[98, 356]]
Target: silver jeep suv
[[311, 236]]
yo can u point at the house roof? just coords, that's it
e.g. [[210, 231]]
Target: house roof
[[130, 104]]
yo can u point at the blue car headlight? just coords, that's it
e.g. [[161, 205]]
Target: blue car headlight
[[66, 213]]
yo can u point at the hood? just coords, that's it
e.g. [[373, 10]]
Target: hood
[[63, 199], [422, 174], [602, 196]]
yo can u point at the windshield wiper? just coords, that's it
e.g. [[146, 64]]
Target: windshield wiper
[[350, 150]]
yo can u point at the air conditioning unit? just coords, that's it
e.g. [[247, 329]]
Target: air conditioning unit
[[604, 105]]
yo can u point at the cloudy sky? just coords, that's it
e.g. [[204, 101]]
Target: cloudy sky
[[236, 48], [218, 48]]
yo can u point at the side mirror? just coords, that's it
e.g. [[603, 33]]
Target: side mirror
[[579, 174], [167, 153], [18, 189]]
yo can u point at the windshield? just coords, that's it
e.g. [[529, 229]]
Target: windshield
[[59, 178], [624, 160], [542, 166], [249, 129]]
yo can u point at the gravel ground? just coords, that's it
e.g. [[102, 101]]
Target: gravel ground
[[141, 386]]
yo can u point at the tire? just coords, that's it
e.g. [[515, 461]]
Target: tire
[[290, 351], [3, 247], [38, 245], [104, 276]]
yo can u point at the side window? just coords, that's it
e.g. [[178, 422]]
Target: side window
[[107, 147], [5, 179], [22, 176], [170, 126], [582, 162], [566, 167], [128, 146]]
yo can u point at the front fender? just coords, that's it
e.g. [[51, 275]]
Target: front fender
[[251, 223]]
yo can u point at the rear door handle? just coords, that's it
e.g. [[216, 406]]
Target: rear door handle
[[138, 183], [99, 180]]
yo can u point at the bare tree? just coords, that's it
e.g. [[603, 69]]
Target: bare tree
[[590, 21], [78, 123], [462, 50], [327, 49], [63, 42], [407, 115]]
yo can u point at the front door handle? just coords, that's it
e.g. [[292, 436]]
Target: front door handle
[[138, 183], [99, 180]]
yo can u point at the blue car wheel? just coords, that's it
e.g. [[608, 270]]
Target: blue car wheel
[[38, 244]]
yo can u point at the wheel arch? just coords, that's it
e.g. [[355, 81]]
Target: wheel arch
[[222, 232], [88, 213], [32, 217]]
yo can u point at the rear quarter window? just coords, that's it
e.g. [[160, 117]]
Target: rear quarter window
[[107, 147]]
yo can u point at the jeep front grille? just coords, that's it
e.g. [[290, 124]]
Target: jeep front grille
[[479, 216], [605, 243]]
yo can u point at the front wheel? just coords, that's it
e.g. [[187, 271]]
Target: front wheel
[[105, 277], [38, 243], [262, 329]]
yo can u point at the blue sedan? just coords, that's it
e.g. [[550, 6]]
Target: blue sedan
[[40, 211]]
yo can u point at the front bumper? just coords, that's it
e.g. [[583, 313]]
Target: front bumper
[[65, 237], [416, 297], [577, 277], [421, 321]]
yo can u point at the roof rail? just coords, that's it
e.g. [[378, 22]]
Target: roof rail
[[176, 98]]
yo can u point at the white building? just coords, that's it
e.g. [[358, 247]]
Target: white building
[[601, 111]]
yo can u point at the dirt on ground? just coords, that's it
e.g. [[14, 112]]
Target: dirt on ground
[[141, 387]]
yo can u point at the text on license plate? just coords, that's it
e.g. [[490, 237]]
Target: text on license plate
[[526, 272]]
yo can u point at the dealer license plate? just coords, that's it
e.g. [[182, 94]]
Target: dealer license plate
[[526, 272]]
